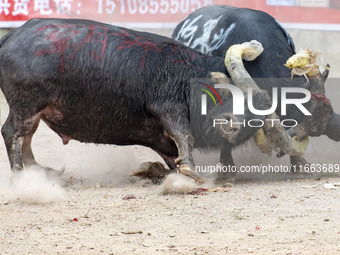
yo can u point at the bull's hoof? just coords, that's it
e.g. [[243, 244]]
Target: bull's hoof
[[154, 171], [186, 170], [225, 177], [225, 173]]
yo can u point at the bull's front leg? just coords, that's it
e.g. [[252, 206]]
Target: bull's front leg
[[177, 126], [226, 159], [297, 164]]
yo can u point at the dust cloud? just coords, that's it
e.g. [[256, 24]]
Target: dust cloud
[[105, 165], [30, 186], [85, 166], [178, 184]]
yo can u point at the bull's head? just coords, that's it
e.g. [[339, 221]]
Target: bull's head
[[323, 119], [278, 137]]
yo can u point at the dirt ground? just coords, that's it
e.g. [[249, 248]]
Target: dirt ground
[[86, 210]]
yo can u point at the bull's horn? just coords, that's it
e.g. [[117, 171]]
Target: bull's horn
[[299, 131], [266, 145], [293, 142], [305, 63], [299, 59], [317, 82], [299, 141], [325, 73], [276, 133], [233, 61]]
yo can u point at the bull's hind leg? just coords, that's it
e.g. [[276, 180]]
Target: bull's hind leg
[[13, 142], [17, 133], [27, 154], [14, 132], [176, 124]]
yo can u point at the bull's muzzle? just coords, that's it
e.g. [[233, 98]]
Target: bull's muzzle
[[228, 126]]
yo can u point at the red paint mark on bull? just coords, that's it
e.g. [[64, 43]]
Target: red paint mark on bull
[[320, 98], [66, 40], [129, 41], [193, 56]]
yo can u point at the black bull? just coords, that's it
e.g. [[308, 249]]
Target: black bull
[[213, 29], [102, 84]]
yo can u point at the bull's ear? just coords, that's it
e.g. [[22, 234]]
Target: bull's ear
[[325, 73], [219, 78]]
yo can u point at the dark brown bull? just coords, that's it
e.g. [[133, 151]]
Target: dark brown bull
[[103, 84], [213, 29]]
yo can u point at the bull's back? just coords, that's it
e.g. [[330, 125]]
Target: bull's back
[[59, 55], [54, 48], [214, 29]]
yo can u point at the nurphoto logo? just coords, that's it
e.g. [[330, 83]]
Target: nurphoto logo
[[238, 98]]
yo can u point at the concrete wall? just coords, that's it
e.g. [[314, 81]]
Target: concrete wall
[[326, 42], [4, 31]]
